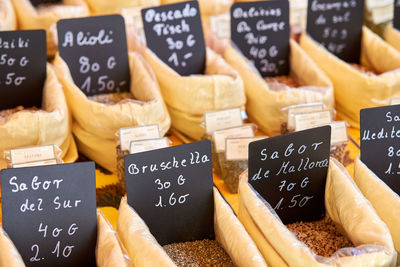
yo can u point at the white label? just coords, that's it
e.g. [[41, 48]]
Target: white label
[[339, 133], [36, 163], [32, 154], [395, 101], [218, 120], [309, 120], [298, 109], [220, 136], [147, 145], [127, 135], [238, 148], [221, 25]]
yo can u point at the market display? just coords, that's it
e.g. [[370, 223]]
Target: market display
[[206, 133]]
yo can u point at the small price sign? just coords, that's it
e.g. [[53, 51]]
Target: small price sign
[[95, 50], [261, 30], [22, 68], [380, 146], [174, 33], [175, 182], [49, 213], [337, 25], [289, 172]]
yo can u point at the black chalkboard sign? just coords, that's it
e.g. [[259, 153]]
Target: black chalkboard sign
[[22, 68], [337, 25], [172, 190], [289, 172], [261, 30], [49, 212], [380, 143], [37, 3], [396, 15], [95, 50], [174, 33]]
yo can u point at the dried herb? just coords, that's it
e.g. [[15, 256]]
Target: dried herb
[[338, 152], [109, 196], [111, 99], [121, 167], [322, 237], [230, 171], [198, 253]]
